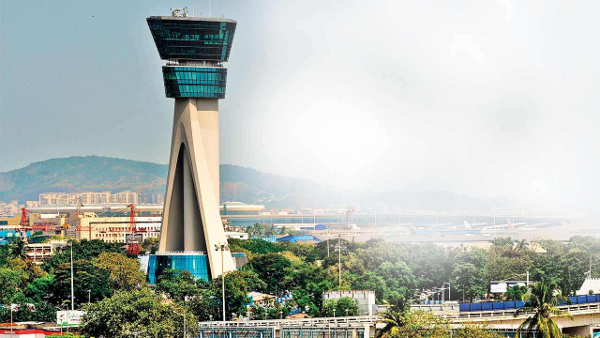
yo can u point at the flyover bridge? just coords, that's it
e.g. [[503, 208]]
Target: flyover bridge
[[328, 327], [586, 321]]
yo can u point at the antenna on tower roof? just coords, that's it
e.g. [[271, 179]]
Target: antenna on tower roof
[[209, 10]]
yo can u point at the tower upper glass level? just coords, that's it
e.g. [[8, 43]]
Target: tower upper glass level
[[192, 38]]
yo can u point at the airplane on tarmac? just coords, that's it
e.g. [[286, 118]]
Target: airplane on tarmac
[[508, 226], [470, 226]]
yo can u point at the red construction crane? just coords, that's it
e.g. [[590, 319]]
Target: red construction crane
[[25, 219], [133, 248]]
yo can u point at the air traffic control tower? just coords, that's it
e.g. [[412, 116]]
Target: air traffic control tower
[[192, 235]]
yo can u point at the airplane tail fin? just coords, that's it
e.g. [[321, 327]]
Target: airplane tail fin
[[467, 225], [510, 225]]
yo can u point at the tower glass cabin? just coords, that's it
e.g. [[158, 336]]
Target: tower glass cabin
[[195, 50]]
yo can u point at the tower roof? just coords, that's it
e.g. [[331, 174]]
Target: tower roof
[[192, 38]]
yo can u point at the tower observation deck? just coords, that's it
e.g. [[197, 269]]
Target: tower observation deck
[[195, 50]]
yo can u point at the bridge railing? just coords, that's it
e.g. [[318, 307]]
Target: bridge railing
[[513, 305], [573, 309], [323, 321]]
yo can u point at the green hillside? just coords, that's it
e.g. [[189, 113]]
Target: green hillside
[[95, 173]]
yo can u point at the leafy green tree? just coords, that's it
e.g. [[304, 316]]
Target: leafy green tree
[[150, 244], [258, 313], [327, 308], [11, 282], [475, 331], [346, 306], [124, 272], [138, 313], [470, 273], [82, 250], [237, 285], [255, 245], [86, 277], [543, 301], [370, 281], [205, 305], [177, 284], [40, 289], [415, 324], [271, 268]]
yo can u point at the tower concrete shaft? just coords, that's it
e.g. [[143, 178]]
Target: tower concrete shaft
[[195, 50], [191, 219]]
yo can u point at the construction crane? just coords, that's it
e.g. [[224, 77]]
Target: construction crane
[[133, 246]]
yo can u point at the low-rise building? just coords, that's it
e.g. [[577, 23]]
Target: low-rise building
[[38, 251]]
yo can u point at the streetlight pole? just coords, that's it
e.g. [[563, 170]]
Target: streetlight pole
[[340, 261], [72, 289], [222, 248]]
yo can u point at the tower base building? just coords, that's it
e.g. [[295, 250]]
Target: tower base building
[[192, 236]]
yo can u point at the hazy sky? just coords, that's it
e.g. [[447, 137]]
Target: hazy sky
[[487, 98]]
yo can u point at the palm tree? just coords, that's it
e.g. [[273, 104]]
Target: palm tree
[[18, 249], [394, 320], [521, 245], [542, 300]]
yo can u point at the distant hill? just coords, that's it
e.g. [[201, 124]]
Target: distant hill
[[95, 173]]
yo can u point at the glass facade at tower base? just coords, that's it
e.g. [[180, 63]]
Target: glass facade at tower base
[[194, 262]]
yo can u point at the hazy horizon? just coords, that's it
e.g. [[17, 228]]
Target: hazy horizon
[[481, 99]]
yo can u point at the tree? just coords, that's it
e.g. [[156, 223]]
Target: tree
[[258, 313], [205, 305], [138, 313], [346, 306], [86, 250], [470, 273], [87, 277], [40, 289], [475, 331], [393, 320], [542, 300], [255, 245], [271, 268], [125, 273], [413, 324], [150, 244], [11, 281], [327, 308], [516, 292], [237, 285], [177, 284]]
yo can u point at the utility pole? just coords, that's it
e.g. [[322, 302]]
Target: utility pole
[[327, 243], [72, 289], [222, 248], [339, 261]]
